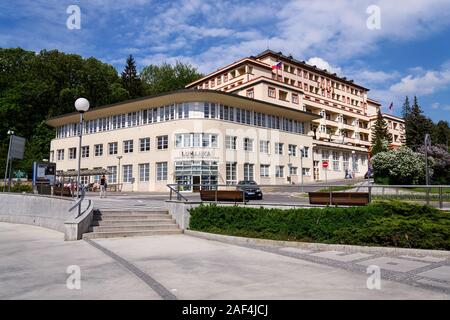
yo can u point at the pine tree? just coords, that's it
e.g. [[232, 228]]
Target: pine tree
[[380, 135], [130, 79], [406, 109], [416, 126], [441, 134]]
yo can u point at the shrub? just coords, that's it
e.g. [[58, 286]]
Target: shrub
[[385, 223], [400, 166]]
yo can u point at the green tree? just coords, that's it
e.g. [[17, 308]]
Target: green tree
[[380, 135], [441, 134], [416, 126], [130, 79], [406, 108], [36, 86], [167, 77]]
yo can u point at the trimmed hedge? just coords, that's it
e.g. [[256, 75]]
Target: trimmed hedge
[[387, 223]]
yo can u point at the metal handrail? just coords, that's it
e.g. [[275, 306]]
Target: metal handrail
[[79, 201], [177, 191]]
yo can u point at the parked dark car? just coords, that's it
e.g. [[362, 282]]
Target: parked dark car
[[251, 189]]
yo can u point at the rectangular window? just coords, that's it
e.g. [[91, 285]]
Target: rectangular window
[[279, 171], [264, 146], [72, 153], [231, 176], [306, 172], [336, 164], [279, 148], [230, 142], [293, 171], [112, 177], [112, 148], [128, 146], [305, 152], [250, 93], [248, 171], [248, 144], [271, 92], [264, 170], [345, 157], [162, 142], [60, 154], [127, 173], [161, 171], [293, 150], [144, 144], [295, 98], [98, 150], [85, 152], [144, 172]]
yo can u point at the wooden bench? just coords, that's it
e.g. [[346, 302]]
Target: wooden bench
[[62, 191], [222, 195], [339, 198]]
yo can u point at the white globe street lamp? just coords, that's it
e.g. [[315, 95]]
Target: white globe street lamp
[[82, 105]]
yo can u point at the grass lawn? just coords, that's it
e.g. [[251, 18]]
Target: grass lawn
[[384, 223], [338, 188], [424, 190]]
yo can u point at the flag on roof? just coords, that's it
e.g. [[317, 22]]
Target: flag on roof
[[277, 66]]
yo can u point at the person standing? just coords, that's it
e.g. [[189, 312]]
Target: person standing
[[103, 186]]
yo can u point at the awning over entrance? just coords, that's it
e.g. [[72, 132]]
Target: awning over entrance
[[85, 172]]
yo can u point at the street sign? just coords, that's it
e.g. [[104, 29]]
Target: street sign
[[325, 164], [17, 147]]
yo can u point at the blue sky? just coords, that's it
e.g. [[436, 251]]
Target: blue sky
[[409, 54]]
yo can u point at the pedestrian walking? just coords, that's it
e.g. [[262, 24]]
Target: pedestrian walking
[[103, 185]]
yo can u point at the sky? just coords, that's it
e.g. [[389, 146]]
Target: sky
[[395, 48]]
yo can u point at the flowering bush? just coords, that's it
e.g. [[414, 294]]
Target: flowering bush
[[400, 166], [441, 163]]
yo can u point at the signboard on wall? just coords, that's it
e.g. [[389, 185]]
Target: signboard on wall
[[44, 172]]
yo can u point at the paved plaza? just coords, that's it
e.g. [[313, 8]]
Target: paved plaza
[[35, 261]]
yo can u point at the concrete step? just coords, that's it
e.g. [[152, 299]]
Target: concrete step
[[130, 217], [152, 221], [130, 213], [135, 233], [116, 228]]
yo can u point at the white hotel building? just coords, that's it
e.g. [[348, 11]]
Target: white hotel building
[[246, 121]]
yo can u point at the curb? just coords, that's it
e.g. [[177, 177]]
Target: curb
[[317, 246]]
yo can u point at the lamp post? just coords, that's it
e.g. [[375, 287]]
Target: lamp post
[[8, 164], [118, 174], [289, 166], [82, 105], [427, 143], [353, 164], [302, 150]]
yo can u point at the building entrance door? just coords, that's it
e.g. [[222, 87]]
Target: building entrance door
[[316, 171], [196, 183]]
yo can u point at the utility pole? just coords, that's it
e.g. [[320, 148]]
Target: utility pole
[[10, 133], [427, 143]]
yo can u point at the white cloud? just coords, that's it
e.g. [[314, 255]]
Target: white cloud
[[438, 106], [423, 84], [322, 64]]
